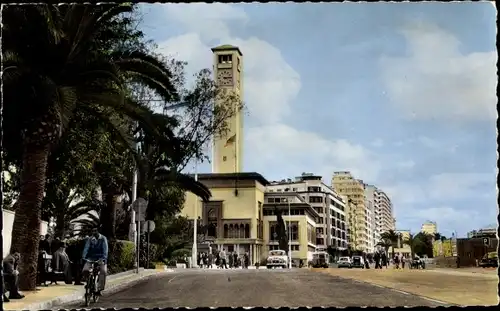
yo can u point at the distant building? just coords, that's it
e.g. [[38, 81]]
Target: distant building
[[484, 232], [429, 227], [345, 184]]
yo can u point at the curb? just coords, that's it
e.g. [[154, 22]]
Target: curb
[[444, 303], [79, 294]]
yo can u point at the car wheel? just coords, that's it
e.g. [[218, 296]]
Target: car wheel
[[269, 267]]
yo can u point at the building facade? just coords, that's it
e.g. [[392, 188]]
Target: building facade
[[233, 218], [385, 220], [371, 207], [300, 220], [429, 227], [227, 150], [345, 184], [331, 227], [484, 232]]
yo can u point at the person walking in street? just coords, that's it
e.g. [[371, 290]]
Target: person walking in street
[[236, 259], [246, 259], [376, 257], [231, 260], [223, 259], [210, 258], [403, 261]]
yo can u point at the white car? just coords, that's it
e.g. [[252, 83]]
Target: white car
[[344, 262], [276, 259]]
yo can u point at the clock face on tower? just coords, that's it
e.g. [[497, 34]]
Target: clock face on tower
[[225, 77]]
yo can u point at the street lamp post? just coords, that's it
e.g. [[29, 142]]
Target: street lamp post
[[289, 237], [195, 228]]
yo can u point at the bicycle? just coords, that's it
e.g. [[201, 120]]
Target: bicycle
[[91, 287]]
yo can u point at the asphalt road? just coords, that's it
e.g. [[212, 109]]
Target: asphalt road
[[252, 288]]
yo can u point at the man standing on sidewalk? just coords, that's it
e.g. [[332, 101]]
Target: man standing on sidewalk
[[223, 257]]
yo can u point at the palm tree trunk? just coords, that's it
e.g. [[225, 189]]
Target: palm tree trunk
[[108, 215], [60, 227], [27, 220]]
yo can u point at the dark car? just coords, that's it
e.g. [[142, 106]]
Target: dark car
[[489, 260]]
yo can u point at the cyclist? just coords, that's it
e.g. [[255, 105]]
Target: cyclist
[[96, 249]]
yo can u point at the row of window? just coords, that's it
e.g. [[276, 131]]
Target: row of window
[[227, 59], [274, 247], [293, 212], [334, 242]]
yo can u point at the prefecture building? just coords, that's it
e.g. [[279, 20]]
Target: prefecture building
[[233, 218]]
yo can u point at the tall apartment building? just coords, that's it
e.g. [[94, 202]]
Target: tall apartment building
[[372, 207], [345, 184], [331, 227], [384, 212]]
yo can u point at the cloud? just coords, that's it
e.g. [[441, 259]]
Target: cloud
[[409, 164], [456, 186], [210, 21], [436, 80], [378, 143], [281, 148], [270, 83]]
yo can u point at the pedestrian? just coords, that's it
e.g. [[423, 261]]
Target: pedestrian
[[235, 259], [210, 258], [384, 260], [231, 260], [223, 259], [396, 262], [246, 259], [376, 257], [403, 261]]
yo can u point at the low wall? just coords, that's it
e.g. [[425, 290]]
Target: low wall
[[8, 221]]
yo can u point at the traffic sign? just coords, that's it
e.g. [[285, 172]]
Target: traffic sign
[[140, 205], [148, 226], [486, 241]]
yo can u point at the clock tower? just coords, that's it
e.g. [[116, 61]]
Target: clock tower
[[227, 151]]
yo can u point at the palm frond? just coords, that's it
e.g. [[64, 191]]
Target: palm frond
[[184, 182]]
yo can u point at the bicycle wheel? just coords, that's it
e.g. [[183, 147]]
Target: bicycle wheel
[[89, 291], [96, 286]]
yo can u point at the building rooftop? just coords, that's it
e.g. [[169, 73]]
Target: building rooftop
[[227, 47], [233, 176]]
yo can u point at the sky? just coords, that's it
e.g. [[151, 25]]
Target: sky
[[403, 95]]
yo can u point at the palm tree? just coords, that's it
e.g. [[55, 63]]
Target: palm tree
[[386, 244], [57, 59], [412, 241], [393, 237]]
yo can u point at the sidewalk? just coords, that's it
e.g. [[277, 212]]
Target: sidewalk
[[53, 295], [461, 288]]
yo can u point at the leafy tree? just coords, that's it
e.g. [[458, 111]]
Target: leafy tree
[[50, 70], [423, 245]]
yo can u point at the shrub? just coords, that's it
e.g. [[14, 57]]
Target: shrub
[[121, 256]]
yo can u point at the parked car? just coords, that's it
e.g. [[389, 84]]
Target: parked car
[[489, 260], [320, 259], [344, 262], [358, 262], [276, 259]]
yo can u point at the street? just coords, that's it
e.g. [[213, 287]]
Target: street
[[271, 288]]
